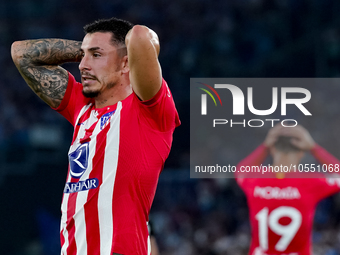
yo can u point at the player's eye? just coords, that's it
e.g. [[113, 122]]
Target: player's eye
[[96, 55]]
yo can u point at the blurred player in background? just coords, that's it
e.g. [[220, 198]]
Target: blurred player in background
[[123, 116], [282, 205]]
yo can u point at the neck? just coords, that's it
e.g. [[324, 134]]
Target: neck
[[286, 159], [113, 95]]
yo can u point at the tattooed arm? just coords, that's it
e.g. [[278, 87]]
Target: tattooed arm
[[38, 62]]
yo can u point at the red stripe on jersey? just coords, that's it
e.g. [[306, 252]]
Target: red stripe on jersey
[[70, 227], [91, 212], [62, 238], [72, 247], [88, 133]]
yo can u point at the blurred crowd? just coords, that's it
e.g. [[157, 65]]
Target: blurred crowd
[[199, 38]]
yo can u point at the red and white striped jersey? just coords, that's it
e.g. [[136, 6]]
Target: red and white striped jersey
[[115, 159]]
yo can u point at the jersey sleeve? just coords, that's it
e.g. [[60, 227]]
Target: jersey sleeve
[[325, 186], [73, 100], [255, 158], [323, 156], [160, 112], [330, 184]]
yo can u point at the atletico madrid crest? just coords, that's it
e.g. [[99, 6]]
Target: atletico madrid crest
[[105, 119]]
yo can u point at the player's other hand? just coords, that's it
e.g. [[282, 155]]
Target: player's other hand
[[301, 138]]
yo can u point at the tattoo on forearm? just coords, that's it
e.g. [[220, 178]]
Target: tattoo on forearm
[[38, 64], [49, 84], [52, 51]]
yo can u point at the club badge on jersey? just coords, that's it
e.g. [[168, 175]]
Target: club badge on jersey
[[104, 120]]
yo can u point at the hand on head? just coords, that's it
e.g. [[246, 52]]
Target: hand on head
[[300, 136], [273, 135]]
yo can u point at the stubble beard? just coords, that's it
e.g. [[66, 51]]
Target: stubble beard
[[93, 94], [90, 94]]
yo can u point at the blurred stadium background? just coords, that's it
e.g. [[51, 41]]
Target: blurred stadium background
[[199, 38]]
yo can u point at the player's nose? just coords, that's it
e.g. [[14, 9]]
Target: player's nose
[[84, 64]]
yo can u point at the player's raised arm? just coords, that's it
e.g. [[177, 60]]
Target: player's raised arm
[[145, 72], [38, 62]]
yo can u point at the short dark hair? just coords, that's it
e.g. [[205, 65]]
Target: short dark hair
[[284, 144], [118, 27]]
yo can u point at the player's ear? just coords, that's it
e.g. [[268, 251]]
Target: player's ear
[[125, 65]]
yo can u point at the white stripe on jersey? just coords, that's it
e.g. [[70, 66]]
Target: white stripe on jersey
[[106, 189], [148, 239], [79, 223], [149, 245], [64, 220]]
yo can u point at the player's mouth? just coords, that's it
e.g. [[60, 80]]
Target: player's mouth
[[88, 78]]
